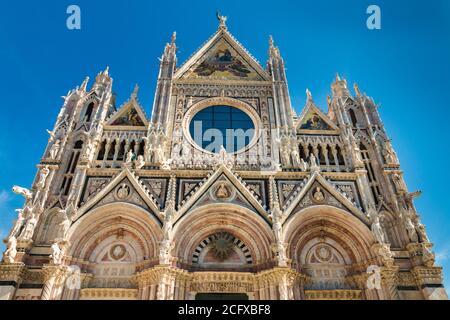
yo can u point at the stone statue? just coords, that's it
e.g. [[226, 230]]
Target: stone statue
[[186, 151], [410, 228], [277, 225], [147, 149], [176, 151], [420, 229], [57, 254], [428, 257], [222, 19], [376, 228], [54, 150], [43, 178], [280, 252], [24, 192], [389, 154], [303, 165], [88, 149], [313, 163], [159, 154], [295, 158], [285, 158], [398, 182], [30, 225], [21, 216], [357, 154], [140, 163], [129, 157], [168, 220], [164, 252], [64, 225], [11, 250]]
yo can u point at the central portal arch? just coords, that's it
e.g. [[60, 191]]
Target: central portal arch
[[214, 236]]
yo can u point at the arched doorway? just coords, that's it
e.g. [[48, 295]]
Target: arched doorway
[[332, 248], [110, 244]]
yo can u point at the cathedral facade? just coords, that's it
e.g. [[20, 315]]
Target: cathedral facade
[[225, 192]]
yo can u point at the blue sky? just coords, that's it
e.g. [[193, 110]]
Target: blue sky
[[405, 66]]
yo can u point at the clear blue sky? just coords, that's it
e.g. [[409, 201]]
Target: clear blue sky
[[405, 67]]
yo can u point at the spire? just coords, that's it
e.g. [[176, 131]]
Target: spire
[[339, 87], [309, 98], [357, 91], [174, 38], [135, 92], [271, 41], [84, 84], [273, 49], [222, 21], [103, 75]]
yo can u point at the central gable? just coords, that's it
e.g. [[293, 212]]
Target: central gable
[[222, 58]]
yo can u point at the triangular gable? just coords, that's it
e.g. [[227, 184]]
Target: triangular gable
[[312, 120], [288, 190], [222, 57], [205, 186], [317, 180], [157, 188], [131, 115], [141, 190]]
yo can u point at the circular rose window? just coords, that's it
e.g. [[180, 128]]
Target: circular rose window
[[217, 126]]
